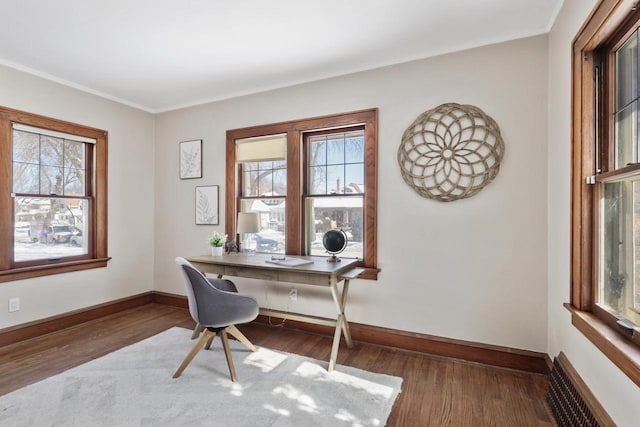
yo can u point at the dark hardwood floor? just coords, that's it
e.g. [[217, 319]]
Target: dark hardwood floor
[[436, 391]]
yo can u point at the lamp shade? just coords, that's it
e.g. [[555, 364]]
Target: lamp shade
[[248, 222]]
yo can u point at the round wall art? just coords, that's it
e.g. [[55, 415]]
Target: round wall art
[[451, 152]]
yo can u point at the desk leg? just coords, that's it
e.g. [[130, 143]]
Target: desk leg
[[341, 304], [341, 322], [336, 343], [345, 323]]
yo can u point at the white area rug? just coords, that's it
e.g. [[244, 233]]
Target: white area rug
[[133, 387]]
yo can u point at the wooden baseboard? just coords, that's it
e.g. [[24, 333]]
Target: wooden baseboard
[[172, 300], [45, 326], [505, 357]]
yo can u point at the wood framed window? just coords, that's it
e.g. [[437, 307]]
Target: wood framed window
[[321, 175], [333, 188], [605, 219], [52, 197]]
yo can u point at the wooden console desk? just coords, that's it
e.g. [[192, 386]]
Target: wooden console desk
[[319, 273]]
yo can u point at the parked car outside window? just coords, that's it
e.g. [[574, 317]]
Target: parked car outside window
[[265, 243], [59, 233], [76, 238]]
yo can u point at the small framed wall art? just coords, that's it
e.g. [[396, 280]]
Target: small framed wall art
[[207, 205], [191, 159]]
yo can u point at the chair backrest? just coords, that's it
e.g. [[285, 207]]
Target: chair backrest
[[193, 305], [212, 307]]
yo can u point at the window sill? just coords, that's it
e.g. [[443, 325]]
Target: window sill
[[370, 273], [47, 270], [624, 354]]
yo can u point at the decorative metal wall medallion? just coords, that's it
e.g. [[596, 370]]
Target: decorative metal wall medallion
[[451, 152]]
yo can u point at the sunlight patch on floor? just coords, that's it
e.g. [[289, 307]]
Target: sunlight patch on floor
[[270, 407], [236, 389], [305, 402], [318, 373], [354, 421], [264, 359]]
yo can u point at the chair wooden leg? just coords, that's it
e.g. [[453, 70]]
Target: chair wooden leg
[[227, 353], [196, 331], [201, 342], [209, 341], [235, 332]]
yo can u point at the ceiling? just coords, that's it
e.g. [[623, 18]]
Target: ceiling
[[159, 55]]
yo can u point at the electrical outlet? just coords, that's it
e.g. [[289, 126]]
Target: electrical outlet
[[293, 294], [14, 304]]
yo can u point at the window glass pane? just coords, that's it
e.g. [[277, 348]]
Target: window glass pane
[[250, 183], [626, 135], [250, 166], [51, 180], [317, 180], [265, 166], [51, 151], [335, 149], [74, 154], [354, 178], [47, 165], [47, 228], [344, 171], [74, 168], [620, 251], [26, 147], [627, 72], [265, 187], [74, 182], [282, 164], [264, 179], [328, 213], [317, 152], [354, 147], [279, 182], [335, 179], [271, 238], [26, 178]]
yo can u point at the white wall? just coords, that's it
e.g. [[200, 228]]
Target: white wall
[[131, 201], [472, 269], [618, 394]]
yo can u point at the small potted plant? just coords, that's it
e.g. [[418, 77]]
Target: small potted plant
[[217, 241]]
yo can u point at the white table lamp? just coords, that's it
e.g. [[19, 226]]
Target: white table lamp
[[248, 222]]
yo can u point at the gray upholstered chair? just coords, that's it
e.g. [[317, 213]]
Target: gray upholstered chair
[[217, 310]]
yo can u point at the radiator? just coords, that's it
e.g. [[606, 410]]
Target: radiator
[[571, 402]]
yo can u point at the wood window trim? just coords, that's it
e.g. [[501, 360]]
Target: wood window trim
[[624, 354], [608, 18], [97, 239], [294, 130]]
